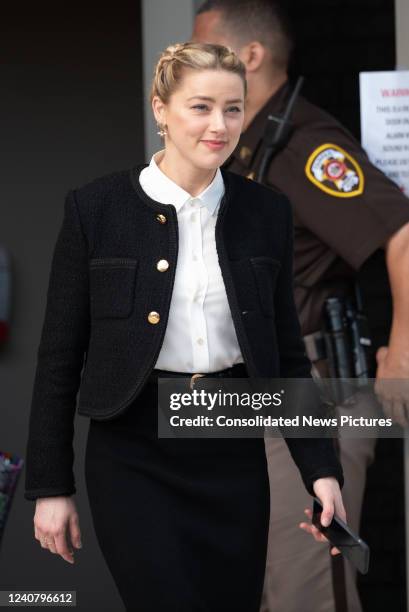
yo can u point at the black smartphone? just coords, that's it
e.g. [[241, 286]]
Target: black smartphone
[[341, 536]]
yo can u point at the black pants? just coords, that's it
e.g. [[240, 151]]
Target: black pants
[[182, 523]]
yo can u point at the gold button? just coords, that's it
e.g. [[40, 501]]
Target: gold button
[[244, 152], [161, 218], [162, 265], [153, 317], [251, 175]]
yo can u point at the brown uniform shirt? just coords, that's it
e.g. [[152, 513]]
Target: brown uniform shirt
[[344, 208]]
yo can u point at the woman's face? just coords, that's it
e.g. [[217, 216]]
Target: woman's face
[[204, 116]]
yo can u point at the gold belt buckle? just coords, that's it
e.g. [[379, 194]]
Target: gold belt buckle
[[193, 379]]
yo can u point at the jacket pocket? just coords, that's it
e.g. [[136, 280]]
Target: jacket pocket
[[266, 270], [112, 287]]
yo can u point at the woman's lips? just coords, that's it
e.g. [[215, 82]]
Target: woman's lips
[[215, 145]]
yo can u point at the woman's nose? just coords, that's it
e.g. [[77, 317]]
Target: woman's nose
[[217, 123]]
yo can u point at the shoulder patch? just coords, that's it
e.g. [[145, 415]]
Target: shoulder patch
[[334, 171]]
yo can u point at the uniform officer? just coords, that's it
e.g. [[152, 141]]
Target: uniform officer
[[344, 210]]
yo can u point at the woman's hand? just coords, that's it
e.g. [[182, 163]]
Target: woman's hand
[[54, 519], [328, 492]]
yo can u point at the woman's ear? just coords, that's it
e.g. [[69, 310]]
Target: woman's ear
[[159, 110]]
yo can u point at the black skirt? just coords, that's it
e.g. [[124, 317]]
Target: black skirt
[[182, 523]]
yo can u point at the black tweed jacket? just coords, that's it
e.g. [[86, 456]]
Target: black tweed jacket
[[99, 336]]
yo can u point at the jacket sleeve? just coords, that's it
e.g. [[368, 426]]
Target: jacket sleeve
[[64, 340], [314, 457]]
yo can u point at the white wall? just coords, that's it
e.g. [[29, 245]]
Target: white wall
[[163, 22], [402, 33]]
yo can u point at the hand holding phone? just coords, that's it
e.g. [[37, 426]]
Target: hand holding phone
[[341, 536]]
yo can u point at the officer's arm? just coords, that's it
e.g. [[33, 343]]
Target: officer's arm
[[393, 361]]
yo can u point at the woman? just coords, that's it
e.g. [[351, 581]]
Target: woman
[[173, 269]]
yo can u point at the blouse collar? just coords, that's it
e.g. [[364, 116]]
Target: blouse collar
[[161, 188]]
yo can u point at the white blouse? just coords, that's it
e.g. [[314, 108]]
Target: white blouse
[[200, 335]]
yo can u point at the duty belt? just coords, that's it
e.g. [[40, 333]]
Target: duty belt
[[315, 346]]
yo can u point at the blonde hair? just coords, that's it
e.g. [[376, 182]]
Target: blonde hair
[[199, 56]]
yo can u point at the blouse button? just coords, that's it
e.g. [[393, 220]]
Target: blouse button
[[162, 265], [161, 218], [153, 317]]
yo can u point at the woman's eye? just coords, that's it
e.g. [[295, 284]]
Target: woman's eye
[[231, 109], [200, 106]]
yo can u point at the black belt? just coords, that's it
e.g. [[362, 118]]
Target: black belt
[[239, 370]]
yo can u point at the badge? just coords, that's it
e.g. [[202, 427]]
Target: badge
[[245, 152], [334, 171]]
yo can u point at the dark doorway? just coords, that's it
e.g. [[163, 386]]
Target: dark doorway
[[336, 39], [71, 109]]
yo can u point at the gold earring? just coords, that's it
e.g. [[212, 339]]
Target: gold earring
[[162, 132]]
